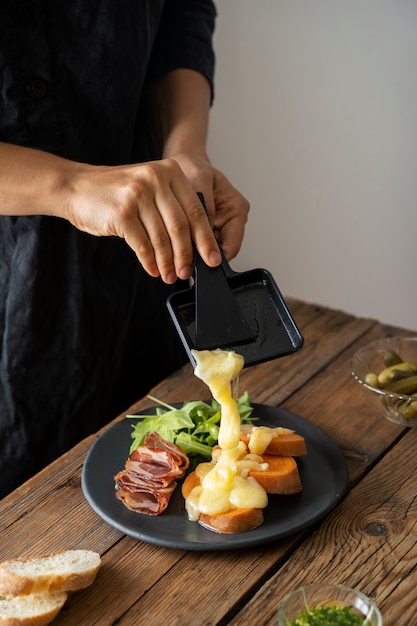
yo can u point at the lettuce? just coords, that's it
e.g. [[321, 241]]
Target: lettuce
[[194, 427]]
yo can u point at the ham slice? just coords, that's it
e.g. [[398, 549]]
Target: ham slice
[[149, 478], [140, 498]]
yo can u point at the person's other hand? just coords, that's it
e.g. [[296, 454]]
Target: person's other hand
[[227, 208]]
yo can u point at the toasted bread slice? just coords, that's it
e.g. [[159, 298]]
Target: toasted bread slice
[[61, 571], [281, 477], [34, 609]]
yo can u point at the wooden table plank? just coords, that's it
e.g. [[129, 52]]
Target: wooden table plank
[[368, 542], [129, 572], [251, 566], [352, 417], [140, 583]]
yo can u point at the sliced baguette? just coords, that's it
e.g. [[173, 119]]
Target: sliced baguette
[[61, 571], [281, 477], [35, 609]]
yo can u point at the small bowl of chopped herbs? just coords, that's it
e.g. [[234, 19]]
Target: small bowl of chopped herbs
[[327, 605]]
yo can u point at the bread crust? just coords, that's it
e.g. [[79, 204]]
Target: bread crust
[[30, 610], [53, 573], [33, 590]]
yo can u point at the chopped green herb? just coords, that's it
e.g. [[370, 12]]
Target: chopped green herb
[[194, 427], [329, 616]]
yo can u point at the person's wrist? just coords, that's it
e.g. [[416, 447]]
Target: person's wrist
[[186, 149]]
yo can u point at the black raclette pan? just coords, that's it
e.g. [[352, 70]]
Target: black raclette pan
[[240, 311]]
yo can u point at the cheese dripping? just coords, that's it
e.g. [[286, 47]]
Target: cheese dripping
[[224, 482]]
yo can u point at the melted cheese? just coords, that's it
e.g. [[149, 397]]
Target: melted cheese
[[224, 482], [218, 369]]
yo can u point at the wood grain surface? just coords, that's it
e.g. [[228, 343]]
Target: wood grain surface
[[369, 541]]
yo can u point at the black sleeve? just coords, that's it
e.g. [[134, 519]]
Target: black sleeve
[[184, 39]]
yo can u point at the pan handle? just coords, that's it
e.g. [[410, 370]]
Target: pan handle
[[229, 273]]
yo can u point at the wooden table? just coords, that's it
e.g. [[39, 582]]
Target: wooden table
[[369, 541]]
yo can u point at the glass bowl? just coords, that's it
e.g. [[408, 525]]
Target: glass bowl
[[395, 393], [316, 596]]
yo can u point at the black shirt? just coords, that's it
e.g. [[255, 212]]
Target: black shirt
[[83, 330]]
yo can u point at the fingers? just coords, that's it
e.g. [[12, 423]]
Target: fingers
[[231, 215], [154, 207], [136, 236], [226, 207], [168, 219], [201, 231]]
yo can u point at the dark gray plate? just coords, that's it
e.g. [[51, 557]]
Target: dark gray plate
[[322, 471]]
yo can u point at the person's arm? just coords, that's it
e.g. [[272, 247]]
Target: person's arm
[[151, 205], [181, 104]]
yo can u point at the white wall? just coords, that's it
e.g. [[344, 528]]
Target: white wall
[[315, 121]]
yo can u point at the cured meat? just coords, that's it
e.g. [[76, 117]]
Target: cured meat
[[155, 441], [157, 462], [140, 498], [148, 480]]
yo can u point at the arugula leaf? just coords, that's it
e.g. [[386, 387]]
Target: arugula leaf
[[194, 427], [167, 424], [191, 446]]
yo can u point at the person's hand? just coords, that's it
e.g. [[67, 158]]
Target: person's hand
[[154, 208], [227, 208]]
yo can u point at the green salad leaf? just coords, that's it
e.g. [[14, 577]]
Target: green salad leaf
[[194, 427]]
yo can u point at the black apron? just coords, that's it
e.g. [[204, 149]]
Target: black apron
[[84, 331]]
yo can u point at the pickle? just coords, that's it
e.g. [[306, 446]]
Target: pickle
[[390, 357], [387, 375], [372, 379], [409, 411], [395, 374], [406, 386]]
